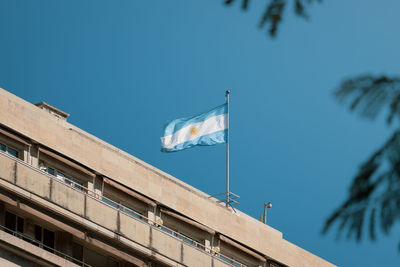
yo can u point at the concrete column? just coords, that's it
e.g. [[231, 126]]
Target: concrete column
[[34, 159], [97, 186], [26, 156], [207, 243], [90, 186], [157, 216], [151, 215]]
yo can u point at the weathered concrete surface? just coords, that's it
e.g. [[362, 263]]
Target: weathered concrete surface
[[192, 257], [68, 198], [7, 169], [101, 214], [10, 259], [34, 253], [96, 154], [104, 219], [135, 230], [35, 181], [166, 245]]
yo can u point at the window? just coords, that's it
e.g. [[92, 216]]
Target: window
[[77, 253], [236, 254], [182, 237], [11, 151], [125, 200], [232, 262], [183, 228], [14, 223], [167, 230], [131, 211], [44, 236], [187, 240], [109, 202], [61, 176], [121, 206]]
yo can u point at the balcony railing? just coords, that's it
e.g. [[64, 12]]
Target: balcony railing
[[132, 214], [41, 245]]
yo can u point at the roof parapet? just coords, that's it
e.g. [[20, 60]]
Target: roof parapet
[[53, 110]]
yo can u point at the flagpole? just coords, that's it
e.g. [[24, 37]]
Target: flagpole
[[227, 148]]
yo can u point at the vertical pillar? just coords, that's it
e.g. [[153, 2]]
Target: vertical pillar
[[90, 186], [26, 155], [207, 243], [96, 186], [34, 156], [151, 215]]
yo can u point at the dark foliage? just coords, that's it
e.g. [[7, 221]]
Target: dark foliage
[[274, 10], [369, 95], [374, 196]]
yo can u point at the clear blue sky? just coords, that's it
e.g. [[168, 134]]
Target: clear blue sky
[[124, 68]]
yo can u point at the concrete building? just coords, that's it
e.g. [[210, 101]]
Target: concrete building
[[68, 198]]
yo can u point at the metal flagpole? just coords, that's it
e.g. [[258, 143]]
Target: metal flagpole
[[227, 148]]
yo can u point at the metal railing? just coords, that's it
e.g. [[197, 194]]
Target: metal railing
[[43, 246], [133, 214], [232, 198]]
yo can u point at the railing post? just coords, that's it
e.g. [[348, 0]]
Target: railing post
[[15, 172], [51, 188], [119, 220]]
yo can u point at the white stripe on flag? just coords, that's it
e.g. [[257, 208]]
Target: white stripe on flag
[[209, 126]]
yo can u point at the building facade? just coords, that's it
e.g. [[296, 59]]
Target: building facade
[[68, 198]]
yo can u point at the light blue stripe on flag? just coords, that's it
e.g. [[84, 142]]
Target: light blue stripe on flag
[[208, 128]]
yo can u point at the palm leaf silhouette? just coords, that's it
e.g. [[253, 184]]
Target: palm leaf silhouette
[[374, 195], [274, 11]]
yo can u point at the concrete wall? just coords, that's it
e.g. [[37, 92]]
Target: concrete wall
[[103, 158], [10, 259], [7, 169], [17, 252], [36, 182]]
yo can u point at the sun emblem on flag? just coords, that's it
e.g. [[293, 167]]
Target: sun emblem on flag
[[194, 131]]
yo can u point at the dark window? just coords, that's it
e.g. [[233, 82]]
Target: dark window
[[14, 223], [72, 181], [38, 233], [112, 263], [12, 152], [109, 202], [51, 171], [133, 212], [10, 221], [189, 240], [20, 224], [77, 252], [233, 262], [44, 236], [9, 150], [48, 238], [62, 176]]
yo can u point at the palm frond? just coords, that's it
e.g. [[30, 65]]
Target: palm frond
[[273, 15], [369, 95], [375, 190], [274, 10]]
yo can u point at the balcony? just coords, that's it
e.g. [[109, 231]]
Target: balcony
[[127, 226], [36, 249]]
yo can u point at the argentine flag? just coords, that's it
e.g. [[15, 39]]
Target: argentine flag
[[206, 129]]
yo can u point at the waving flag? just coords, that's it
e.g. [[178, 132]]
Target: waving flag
[[206, 129]]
